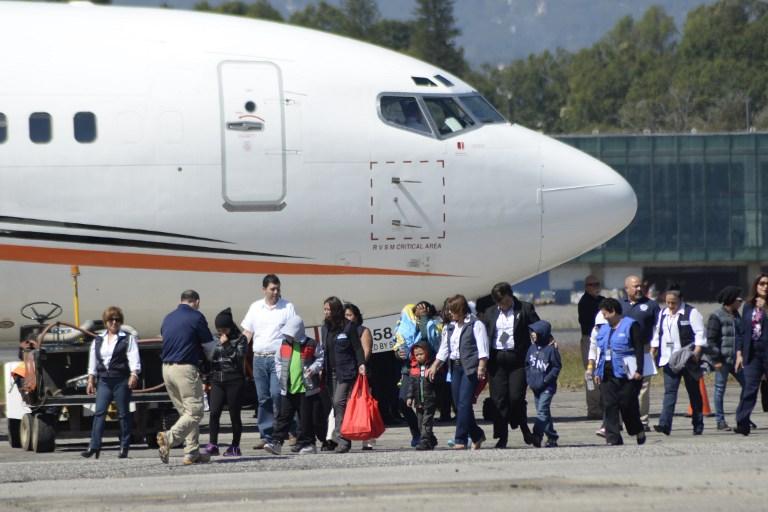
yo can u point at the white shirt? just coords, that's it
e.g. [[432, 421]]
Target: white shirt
[[108, 348], [265, 322], [450, 347], [594, 351], [670, 334], [505, 323]]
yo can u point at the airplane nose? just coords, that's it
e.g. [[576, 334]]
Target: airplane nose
[[584, 203]]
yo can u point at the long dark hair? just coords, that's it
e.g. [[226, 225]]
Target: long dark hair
[[355, 311], [753, 296], [337, 313]]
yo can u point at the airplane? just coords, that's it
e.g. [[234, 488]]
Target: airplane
[[162, 150]]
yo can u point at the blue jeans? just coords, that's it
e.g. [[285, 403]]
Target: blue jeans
[[721, 381], [543, 423], [671, 385], [107, 390], [268, 391], [463, 388]]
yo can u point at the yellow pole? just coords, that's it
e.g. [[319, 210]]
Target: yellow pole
[[76, 272]]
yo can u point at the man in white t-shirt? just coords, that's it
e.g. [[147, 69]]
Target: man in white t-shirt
[[261, 325]]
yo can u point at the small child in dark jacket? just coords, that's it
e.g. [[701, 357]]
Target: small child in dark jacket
[[421, 395], [542, 367]]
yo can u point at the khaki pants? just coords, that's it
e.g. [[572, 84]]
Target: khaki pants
[[594, 405], [645, 400], [185, 388]]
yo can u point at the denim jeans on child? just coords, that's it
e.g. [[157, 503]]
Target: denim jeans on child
[[543, 424]]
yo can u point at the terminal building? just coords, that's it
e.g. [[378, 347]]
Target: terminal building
[[702, 215]]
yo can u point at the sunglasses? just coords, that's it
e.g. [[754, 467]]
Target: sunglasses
[[593, 284], [118, 320]]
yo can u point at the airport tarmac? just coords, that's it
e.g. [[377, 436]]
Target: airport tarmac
[[715, 471]]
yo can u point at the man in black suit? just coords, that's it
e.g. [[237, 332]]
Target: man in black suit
[[509, 339]]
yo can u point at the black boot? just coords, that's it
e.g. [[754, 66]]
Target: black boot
[[90, 452], [123, 453]]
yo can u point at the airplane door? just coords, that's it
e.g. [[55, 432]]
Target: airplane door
[[253, 135]]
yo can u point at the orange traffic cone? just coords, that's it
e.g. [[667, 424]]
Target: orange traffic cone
[[705, 409]]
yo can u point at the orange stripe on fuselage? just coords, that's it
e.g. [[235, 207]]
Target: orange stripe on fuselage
[[54, 255]]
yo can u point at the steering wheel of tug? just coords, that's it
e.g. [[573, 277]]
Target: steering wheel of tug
[[49, 310]]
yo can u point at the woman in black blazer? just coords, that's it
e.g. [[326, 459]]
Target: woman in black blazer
[[752, 350]]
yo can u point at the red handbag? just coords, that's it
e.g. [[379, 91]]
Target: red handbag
[[362, 420]]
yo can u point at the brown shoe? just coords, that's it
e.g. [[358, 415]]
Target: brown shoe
[[196, 458], [459, 447], [260, 444], [163, 448], [292, 440]]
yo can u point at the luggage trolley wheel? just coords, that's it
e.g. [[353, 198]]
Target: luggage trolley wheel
[[37, 433], [25, 432], [14, 433]]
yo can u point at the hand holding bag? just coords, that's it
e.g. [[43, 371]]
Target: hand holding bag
[[362, 420]]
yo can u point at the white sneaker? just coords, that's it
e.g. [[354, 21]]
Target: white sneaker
[[600, 432], [273, 448], [308, 449]]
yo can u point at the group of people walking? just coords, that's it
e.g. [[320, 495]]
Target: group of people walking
[[447, 358], [624, 343]]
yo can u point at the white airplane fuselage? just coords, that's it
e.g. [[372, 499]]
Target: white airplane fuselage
[[227, 148]]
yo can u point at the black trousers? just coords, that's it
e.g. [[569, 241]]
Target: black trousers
[[231, 393], [754, 371], [407, 412], [508, 387], [620, 398], [425, 415], [307, 407], [443, 395]]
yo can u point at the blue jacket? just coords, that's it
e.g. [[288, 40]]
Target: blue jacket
[[744, 341], [623, 342], [542, 364], [184, 331]]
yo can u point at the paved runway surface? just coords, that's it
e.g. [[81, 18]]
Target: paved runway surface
[[716, 471]]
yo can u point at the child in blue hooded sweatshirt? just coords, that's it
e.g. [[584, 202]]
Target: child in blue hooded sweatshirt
[[542, 366]]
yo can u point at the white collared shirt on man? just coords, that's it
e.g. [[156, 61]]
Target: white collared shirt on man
[[671, 336], [265, 322], [505, 323], [449, 348]]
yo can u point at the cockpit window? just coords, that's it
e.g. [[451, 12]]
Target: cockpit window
[[404, 111], [448, 116], [481, 109]]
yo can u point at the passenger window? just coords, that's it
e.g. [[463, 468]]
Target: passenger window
[[447, 115], [40, 127], [404, 111], [85, 127], [3, 128], [481, 109]]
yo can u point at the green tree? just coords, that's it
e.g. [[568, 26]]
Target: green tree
[[434, 36], [261, 9], [322, 16], [394, 34], [361, 16]]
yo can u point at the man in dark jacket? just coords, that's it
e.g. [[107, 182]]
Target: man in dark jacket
[[588, 308], [508, 335], [184, 331], [645, 312]]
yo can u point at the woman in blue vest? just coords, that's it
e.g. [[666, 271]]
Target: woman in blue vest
[[752, 351], [464, 346], [114, 359], [680, 326], [619, 371]]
